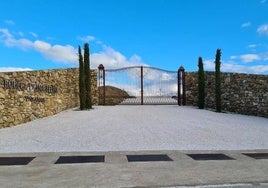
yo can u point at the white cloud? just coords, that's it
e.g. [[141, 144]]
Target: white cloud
[[209, 65], [20, 43], [21, 34], [231, 66], [5, 33], [247, 58], [58, 53], [136, 60], [237, 64], [252, 45], [108, 56], [7, 38], [258, 69], [86, 38], [165, 77], [247, 24], [13, 69], [233, 57], [111, 58], [263, 29], [264, 56], [33, 34], [9, 22]]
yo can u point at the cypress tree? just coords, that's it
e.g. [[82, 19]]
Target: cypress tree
[[81, 80], [87, 71], [218, 80], [201, 84]]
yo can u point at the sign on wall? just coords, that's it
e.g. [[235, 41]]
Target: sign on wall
[[30, 87]]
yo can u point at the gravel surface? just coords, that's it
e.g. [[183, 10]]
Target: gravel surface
[[137, 128]]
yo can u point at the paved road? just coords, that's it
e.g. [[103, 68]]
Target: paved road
[[117, 171]]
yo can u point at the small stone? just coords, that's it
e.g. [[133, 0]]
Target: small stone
[[2, 96]]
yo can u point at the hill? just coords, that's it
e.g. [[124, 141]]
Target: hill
[[113, 95]]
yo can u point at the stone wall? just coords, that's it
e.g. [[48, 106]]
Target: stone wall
[[25, 96], [241, 93]]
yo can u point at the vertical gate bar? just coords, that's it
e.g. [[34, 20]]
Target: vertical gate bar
[[141, 85], [99, 83], [104, 88], [179, 88], [183, 88], [181, 85]]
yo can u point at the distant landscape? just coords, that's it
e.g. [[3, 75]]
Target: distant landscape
[[113, 95]]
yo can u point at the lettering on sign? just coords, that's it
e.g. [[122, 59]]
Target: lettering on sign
[[36, 87], [34, 99]]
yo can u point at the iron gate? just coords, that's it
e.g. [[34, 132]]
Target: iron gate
[[141, 85]]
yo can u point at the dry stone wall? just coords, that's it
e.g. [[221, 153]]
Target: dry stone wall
[[25, 96], [241, 93]]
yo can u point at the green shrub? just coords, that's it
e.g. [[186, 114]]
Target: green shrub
[[81, 81], [84, 79], [88, 104], [218, 80], [201, 84]]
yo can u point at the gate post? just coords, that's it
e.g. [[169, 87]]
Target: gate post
[[141, 85], [181, 87], [102, 81]]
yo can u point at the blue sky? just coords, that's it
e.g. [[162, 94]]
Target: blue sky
[[45, 34]]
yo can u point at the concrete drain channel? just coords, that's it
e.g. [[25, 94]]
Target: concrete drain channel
[[80, 159], [148, 158], [15, 160], [210, 156], [9, 161], [257, 155]]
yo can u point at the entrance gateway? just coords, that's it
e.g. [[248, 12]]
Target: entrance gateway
[[141, 85]]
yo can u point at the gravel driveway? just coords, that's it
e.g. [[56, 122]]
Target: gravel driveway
[[136, 128]]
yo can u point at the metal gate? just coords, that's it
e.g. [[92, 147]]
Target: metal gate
[[141, 85]]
